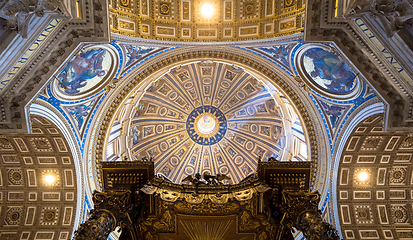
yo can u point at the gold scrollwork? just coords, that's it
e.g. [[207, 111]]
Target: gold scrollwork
[[249, 9], [124, 3], [207, 33], [288, 3], [166, 224], [206, 207], [286, 25], [185, 11], [246, 223], [126, 25]]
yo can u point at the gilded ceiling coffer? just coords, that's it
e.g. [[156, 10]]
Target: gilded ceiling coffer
[[265, 206]]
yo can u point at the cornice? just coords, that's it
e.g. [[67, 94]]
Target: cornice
[[36, 73], [259, 42], [319, 28]]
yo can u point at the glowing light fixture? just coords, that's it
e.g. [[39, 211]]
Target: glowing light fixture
[[49, 179], [363, 176], [207, 10], [206, 124]]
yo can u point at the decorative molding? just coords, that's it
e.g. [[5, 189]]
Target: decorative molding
[[319, 28], [164, 20], [18, 13], [45, 110], [26, 84], [380, 201]]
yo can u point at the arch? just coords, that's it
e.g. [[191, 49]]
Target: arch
[[234, 100], [370, 109], [316, 133], [42, 109]]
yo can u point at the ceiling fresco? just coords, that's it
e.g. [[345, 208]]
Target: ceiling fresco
[[212, 117], [329, 71], [118, 80], [182, 20]]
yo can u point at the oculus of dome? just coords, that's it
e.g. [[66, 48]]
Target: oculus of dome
[[206, 125]]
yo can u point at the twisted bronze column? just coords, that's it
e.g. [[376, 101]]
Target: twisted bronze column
[[301, 211], [111, 210], [100, 224]]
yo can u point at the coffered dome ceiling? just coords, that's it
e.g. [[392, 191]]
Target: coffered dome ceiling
[[208, 117], [183, 20]]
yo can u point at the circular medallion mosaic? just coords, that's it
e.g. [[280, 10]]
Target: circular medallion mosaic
[[206, 125], [86, 73], [327, 72]]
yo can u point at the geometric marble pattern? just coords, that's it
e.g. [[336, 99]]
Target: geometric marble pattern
[[380, 206]]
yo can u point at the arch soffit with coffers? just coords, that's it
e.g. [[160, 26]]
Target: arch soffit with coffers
[[367, 109], [44, 110], [258, 66]]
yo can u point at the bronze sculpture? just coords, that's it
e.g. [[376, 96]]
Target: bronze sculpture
[[266, 206]]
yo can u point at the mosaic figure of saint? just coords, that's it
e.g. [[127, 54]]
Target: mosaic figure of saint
[[246, 170], [333, 112], [273, 108], [166, 171], [219, 160], [85, 66], [80, 112], [229, 75], [139, 109], [192, 161], [136, 135], [336, 74], [152, 152], [134, 53], [147, 131], [279, 53], [278, 134]]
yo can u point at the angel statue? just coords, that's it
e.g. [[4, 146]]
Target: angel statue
[[210, 179], [195, 181]]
